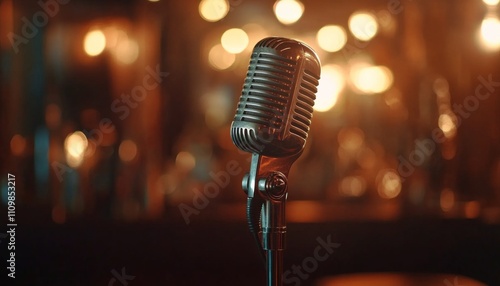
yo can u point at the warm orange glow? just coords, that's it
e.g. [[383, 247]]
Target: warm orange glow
[[397, 279], [304, 211]]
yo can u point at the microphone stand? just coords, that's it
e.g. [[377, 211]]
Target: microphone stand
[[267, 188]]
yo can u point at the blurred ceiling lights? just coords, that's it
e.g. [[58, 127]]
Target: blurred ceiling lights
[[363, 25], [288, 11], [213, 10], [331, 38]]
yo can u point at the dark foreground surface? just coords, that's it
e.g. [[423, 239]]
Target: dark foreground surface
[[96, 252]]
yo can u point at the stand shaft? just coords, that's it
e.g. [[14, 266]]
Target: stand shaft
[[274, 267]]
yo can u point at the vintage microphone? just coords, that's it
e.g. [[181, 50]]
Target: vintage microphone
[[272, 122]]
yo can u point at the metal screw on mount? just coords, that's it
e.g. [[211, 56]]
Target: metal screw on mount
[[274, 185]]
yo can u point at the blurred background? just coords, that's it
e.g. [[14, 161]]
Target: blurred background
[[115, 120]]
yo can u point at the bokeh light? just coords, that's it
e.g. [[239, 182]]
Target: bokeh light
[[331, 83], [127, 150], [491, 2], [94, 43], [351, 139], [331, 38], [447, 199], [75, 146], [389, 185], [17, 145], [363, 25], [213, 10], [219, 58], [288, 11], [234, 40], [127, 51], [371, 79], [185, 161], [446, 123], [114, 36], [352, 186], [490, 33]]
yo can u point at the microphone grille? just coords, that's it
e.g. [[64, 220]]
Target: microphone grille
[[301, 118], [276, 104], [266, 89]]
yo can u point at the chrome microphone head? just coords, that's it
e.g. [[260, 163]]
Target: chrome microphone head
[[276, 104]]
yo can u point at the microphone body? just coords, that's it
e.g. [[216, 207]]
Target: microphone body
[[272, 122]]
